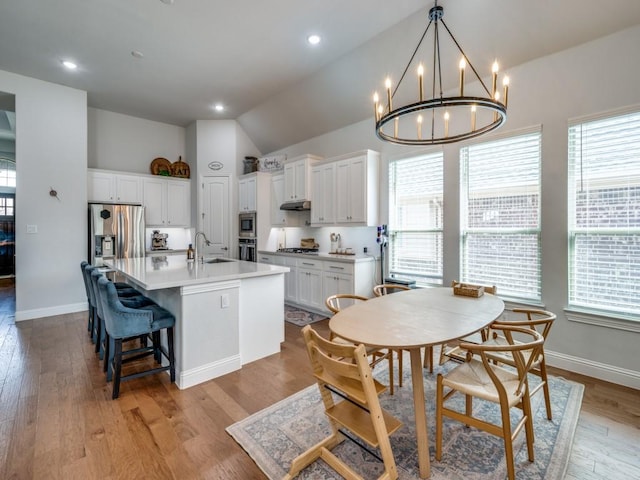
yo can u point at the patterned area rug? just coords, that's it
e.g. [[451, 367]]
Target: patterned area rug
[[277, 434], [300, 317]]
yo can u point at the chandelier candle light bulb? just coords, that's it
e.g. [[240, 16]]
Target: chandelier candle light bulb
[[494, 70], [462, 65], [446, 124], [387, 84], [421, 80], [473, 118], [419, 120], [376, 99], [505, 83]]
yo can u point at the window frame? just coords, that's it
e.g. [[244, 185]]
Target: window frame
[[427, 279], [607, 317], [466, 231]]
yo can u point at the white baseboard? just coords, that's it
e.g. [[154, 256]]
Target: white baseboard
[[50, 311], [601, 371], [189, 378]]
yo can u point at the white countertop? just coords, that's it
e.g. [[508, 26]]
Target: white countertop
[[324, 256], [153, 273]]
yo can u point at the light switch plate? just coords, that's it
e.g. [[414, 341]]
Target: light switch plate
[[32, 228]]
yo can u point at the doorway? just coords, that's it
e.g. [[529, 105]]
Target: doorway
[[7, 201]]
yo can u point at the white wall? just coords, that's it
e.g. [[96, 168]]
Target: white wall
[[129, 144], [51, 152], [596, 77]]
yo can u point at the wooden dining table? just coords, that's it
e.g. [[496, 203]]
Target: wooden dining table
[[411, 320]]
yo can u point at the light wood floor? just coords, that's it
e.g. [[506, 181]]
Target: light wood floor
[[57, 419]]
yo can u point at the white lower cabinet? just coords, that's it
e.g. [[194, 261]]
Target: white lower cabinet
[[310, 283], [312, 279]]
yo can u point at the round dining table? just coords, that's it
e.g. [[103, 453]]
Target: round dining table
[[411, 320]]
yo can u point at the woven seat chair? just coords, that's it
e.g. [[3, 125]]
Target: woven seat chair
[[539, 320], [386, 289], [451, 350], [339, 301], [480, 377], [345, 369], [123, 323]]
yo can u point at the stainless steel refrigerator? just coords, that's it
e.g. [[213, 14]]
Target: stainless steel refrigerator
[[115, 231]]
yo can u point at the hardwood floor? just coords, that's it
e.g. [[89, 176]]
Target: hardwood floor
[[57, 419]]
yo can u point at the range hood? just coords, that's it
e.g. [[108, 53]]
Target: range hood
[[297, 206]]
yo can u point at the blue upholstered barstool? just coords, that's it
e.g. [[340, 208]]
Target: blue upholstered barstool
[[130, 296], [123, 323], [89, 291]]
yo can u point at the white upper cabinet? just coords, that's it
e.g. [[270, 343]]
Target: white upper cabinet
[[297, 178], [281, 218], [113, 187], [357, 188], [323, 179], [167, 202], [247, 194]]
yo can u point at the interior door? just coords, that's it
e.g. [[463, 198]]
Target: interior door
[[214, 218]]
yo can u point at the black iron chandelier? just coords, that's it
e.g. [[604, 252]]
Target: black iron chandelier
[[441, 119]]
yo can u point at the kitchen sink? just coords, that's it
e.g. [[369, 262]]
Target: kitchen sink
[[217, 260]]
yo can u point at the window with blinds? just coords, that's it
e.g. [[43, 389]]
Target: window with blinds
[[604, 215], [500, 215], [415, 218]]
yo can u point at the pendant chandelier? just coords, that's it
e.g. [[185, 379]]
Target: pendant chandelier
[[440, 119]]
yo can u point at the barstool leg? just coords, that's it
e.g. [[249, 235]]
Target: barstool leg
[[117, 367], [107, 353], [98, 332], [172, 363]]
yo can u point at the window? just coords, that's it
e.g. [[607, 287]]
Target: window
[[604, 215], [500, 215], [7, 173], [415, 218]]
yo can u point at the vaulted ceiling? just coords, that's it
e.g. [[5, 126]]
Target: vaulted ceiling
[[171, 60]]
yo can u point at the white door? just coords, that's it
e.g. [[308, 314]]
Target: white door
[[214, 218]]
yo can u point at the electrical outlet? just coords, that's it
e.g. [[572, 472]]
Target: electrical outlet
[[366, 249]]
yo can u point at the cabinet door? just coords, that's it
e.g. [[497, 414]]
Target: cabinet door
[[301, 180], [178, 201], [154, 201], [128, 188], [100, 187], [323, 194], [289, 182], [334, 283], [357, 191], [310, 288], [278, 217], [247, 195], [342, 192]]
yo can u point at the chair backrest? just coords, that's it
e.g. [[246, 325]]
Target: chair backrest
[[538, 320], [94, 276], [337, 302], [387, 288], [88, 270], [83, 264], [492, 289], [524, 364], [121, 321]]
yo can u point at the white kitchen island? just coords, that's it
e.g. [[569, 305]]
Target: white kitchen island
[[227, 314]]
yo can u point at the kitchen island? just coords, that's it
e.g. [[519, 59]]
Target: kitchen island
[[228, 312]]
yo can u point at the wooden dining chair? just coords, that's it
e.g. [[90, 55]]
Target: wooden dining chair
[[344, 370], [479, 377], [539, 320], [388, 288], [339, 301], [451, 350]]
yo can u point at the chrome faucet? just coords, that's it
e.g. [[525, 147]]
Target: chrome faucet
[[199, 258]]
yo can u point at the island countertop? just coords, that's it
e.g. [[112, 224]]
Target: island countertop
[[153, 273]]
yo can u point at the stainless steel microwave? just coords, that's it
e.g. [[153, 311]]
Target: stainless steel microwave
[[247, 225]]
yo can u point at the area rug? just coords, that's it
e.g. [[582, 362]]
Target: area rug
[[300, 317], [274, 436]]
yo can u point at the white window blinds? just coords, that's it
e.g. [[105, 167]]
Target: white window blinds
[[415, 218], [500, 217], [604, 215]]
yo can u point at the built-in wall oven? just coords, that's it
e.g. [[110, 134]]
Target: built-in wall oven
[[247, 249], [247, 227]]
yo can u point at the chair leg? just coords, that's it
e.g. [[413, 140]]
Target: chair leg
[[528, 425], [107, 353], [391, 379], [90, 322], [157, 355], [439, 395], [400, 367], [117, 367], [98, 332], [545, 387], [172, 362], [508, 445]]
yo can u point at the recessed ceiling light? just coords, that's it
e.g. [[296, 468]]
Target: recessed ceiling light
[[69, 64], [218, 107], [137, 54], [313, 39]]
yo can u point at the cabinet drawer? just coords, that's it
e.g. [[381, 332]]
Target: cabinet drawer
[[309, 263], [270, 259], [339, 267]]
